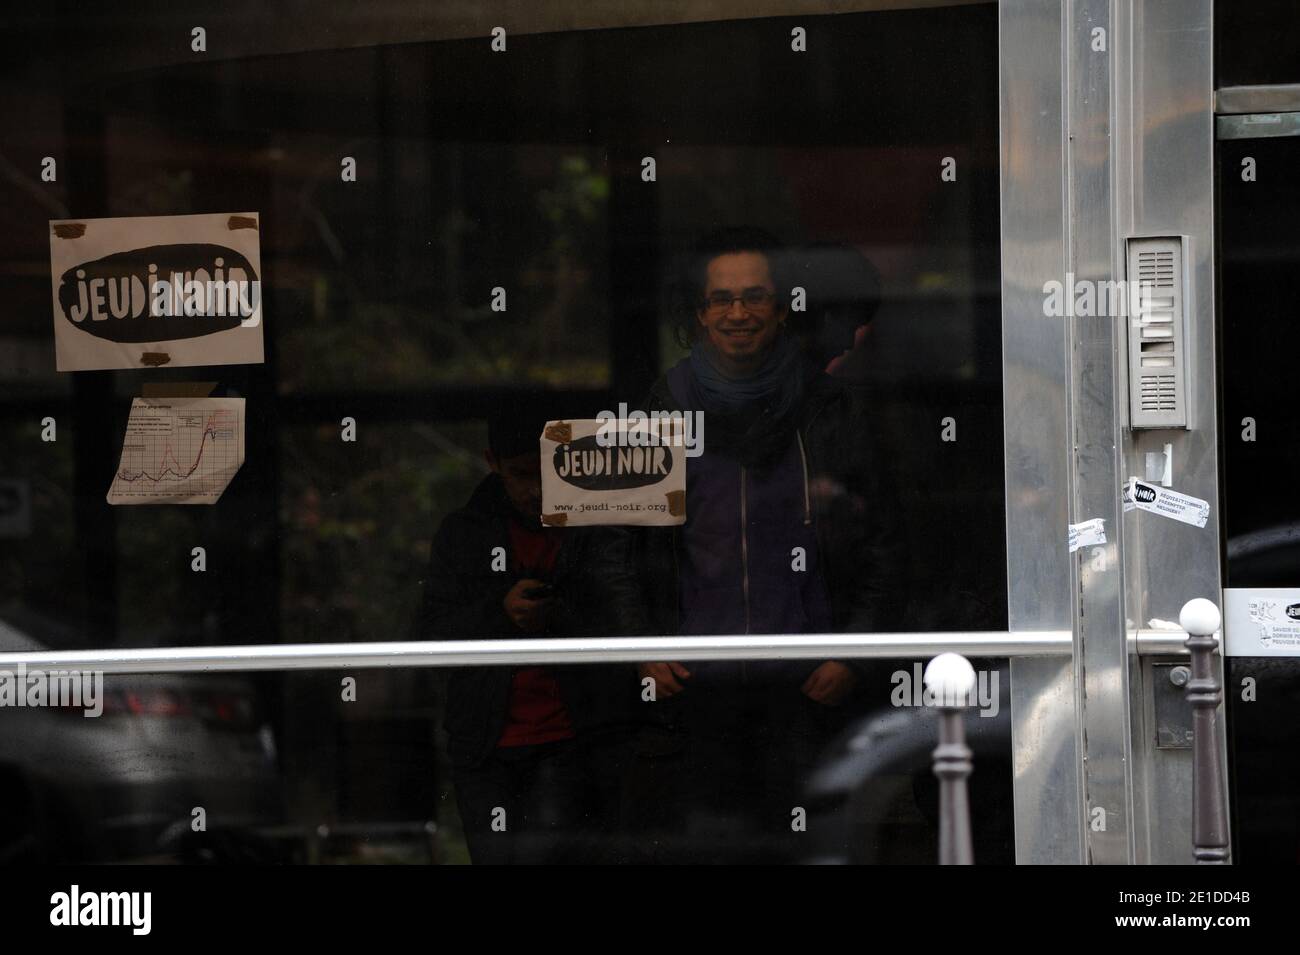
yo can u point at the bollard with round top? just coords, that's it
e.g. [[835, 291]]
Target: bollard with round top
[[1201, 619], [951, 679]]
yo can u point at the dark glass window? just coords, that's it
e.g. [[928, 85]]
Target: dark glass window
[[475, 171]]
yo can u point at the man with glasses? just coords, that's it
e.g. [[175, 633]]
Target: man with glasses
[[789, 529]]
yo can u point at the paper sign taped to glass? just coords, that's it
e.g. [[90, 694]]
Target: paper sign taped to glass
[[613, 472], [1261, 622], [179, 451], [156, 290]]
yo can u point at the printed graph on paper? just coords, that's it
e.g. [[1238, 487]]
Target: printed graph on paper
[[179, 450]]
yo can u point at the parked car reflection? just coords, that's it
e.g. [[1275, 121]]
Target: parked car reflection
[[125, 785], [875, 799]]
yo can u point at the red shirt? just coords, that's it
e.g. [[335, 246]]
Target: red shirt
[[535, 712]]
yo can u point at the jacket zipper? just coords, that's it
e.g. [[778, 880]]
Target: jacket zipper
[[677, 582], [744, 520], [744, 563], [803, 459], [817, 529]]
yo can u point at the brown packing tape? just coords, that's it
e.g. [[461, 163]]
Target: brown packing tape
[[177, 389], [561, 432], [69, 230], [155, 358], [555, 520], [676, 503], [241, 222]]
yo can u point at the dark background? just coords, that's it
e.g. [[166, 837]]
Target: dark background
[[1259, 339], [1258, 43]]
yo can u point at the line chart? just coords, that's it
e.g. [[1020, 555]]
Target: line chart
[[179, 450]]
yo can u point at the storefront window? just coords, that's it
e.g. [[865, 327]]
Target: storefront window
[[456, 244]]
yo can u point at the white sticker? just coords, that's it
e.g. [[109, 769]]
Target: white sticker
[[146, 291], [179, 451], [1127, 496], [1087, 533], [1167, 503], [1261, 622], [596, 472]]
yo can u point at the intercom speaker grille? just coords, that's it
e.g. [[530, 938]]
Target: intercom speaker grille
[[1158, 393], [1156, 268], [1157, 333]]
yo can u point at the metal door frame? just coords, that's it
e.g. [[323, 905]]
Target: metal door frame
[[1098, 145]]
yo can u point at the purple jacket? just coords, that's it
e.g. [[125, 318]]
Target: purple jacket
[[749, 553], [720, 573]]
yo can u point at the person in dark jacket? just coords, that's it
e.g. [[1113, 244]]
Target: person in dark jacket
[[791, 527], [534, 750]]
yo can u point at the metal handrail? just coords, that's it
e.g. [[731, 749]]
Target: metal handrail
[[547, 650], [1158, 643], [542, 650]]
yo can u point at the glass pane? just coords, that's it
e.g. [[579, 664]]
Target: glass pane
[[1258, 256], [523, 242], [1255, 44], [275, 768]]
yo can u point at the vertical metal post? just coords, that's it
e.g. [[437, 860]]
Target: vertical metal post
[[1201, 619], [1163, 174], [1102, 657], [951, 678], [1046, 742]]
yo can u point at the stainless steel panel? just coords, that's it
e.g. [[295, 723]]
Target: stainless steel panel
[[1049, 821], [1164, 184], [1101, 648]]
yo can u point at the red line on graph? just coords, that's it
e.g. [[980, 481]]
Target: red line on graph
[[208, 429]]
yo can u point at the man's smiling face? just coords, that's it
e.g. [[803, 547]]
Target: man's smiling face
[[741, 335]]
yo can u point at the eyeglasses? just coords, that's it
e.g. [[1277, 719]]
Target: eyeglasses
[[757, 300]]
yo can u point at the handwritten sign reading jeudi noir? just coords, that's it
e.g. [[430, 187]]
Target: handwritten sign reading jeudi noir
[[613, 472]]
